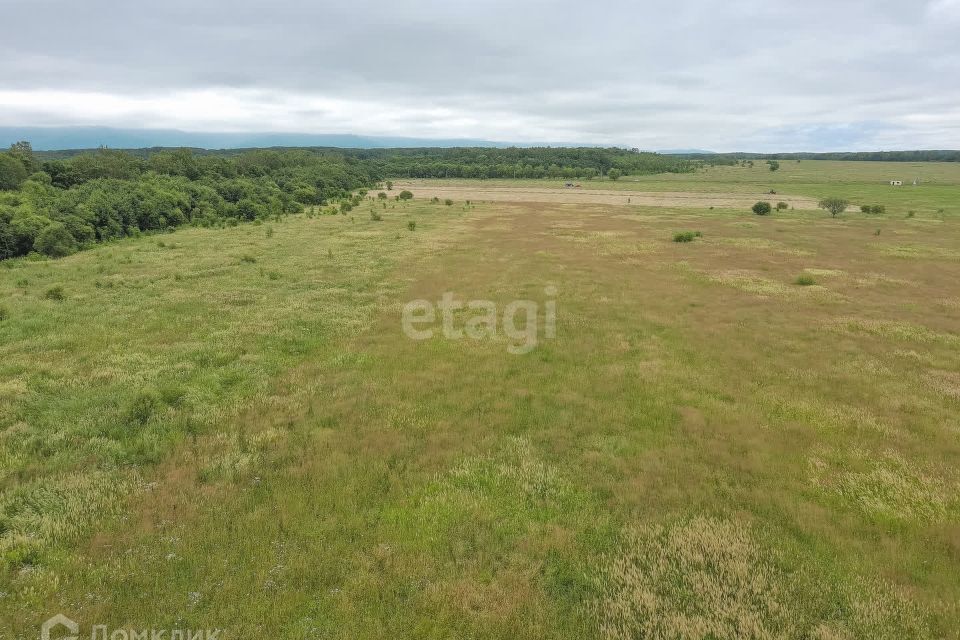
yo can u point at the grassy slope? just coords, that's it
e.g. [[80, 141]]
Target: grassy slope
[[705, 446]]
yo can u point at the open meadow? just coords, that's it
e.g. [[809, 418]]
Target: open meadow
[[751, 431]]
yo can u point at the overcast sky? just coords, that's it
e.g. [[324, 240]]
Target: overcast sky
[[756, 75]]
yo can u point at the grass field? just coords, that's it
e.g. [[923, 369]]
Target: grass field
[[808, 180], [754, 434]]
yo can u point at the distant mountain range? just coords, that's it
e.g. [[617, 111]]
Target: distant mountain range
[[61, 138]]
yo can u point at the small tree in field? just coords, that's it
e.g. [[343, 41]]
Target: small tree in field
[[614, 174], [389, 185], [835, 206], [762, 208], [405, 195], [774, 165]]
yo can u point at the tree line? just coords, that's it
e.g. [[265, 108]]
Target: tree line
[[518, 162], [860, 156]]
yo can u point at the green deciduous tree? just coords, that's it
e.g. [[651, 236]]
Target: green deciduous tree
[[835, 206], [12, 172]]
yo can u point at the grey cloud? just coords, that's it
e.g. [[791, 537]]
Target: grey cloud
[[699, 73]]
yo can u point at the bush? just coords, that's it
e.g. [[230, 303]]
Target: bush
[[55, 241], [269, 232], [686, 236], [381, 196], [805, 280], [762, 208], [781, 206], [614, 174], [375, 216], [412, 225], [865, 208], [4, 314], [405, 195], [55, 293], [434, 200], [448, 202], [878, 208], [249, 259]]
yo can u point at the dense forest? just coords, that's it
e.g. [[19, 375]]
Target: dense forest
[[55, 204]]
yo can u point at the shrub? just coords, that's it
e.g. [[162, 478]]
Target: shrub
[[686, 236], [805, 280], [142, 408], [381, 196], [249, 259], [910, 214], [865, 208], [389, 185], [55, 293], [405, 195], [835, 206], [448, 202], [762, 208], [4, 314], [878, 208], [412, 225], [375, 216], [269, 232], [781, 206], [434, 200], [55, 241], [773, 164]]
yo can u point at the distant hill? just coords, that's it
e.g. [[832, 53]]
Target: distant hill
[[685, 152], [62, 138]]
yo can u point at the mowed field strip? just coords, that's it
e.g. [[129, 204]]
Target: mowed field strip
[[572, 195]]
